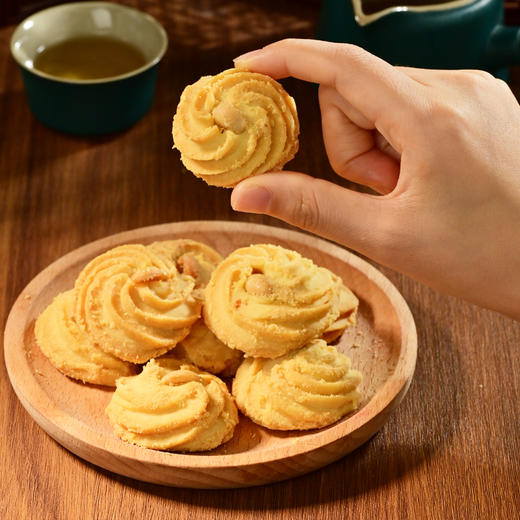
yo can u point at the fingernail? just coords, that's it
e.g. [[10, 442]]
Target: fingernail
[[251, 198], [244, 60]]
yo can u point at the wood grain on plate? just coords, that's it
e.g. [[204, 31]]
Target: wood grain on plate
[[382, 345]]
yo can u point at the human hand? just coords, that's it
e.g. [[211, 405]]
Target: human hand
[[441, 147]]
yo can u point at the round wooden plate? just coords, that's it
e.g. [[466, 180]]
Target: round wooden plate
[[383, 345]]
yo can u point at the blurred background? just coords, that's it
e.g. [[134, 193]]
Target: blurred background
[[12, 11], [190, 12]]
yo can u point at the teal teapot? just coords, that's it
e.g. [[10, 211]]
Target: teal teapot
[[456, 34]]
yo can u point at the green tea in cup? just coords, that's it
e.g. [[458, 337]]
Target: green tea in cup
[[89, 57]]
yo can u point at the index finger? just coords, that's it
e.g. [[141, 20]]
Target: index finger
[[370, 84]]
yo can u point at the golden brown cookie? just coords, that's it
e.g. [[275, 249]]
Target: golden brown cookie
[[309, 388], [348, 305], [204, 350], [71, 350], [135, 303], [171, 406], [191, 258], [235, 125], [266, 300]]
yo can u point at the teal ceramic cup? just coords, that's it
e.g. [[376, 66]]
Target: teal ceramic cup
[[441, 34], [93, 106]]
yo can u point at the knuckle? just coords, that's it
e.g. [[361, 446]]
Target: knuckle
[[350, 54], [478, 74], [478, 83], [287, 42], [469, 79], [503, 88], [457, 111], [306, 210], [349, 49], [419, 117], [446, 116]]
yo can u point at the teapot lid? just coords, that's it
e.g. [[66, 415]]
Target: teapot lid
[[368, 11]]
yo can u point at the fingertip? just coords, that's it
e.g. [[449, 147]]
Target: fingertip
[[250, 197], [246, 61], [264, 61]]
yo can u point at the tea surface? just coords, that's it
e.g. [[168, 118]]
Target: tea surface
[[89, 57]]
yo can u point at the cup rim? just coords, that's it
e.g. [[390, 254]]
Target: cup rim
[[86, 5]]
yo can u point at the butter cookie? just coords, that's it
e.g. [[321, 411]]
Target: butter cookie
[[204, 350], [71, 350], [235, 125], [348, 305], [191, 258], [171, 406], [310, 388], [135, 303], [266, 300]]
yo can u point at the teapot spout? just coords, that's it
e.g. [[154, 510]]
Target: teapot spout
[[503, 49]]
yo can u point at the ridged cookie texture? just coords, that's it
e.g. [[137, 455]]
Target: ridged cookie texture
[[266, 300], [235, 125], [135, 303], [204, 350], [171, 406], [348, 305], [191, 258], [310, 388], [71, 350]]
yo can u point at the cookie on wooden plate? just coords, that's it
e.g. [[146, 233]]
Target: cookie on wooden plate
[[266, 300], [172, 406], [310, 388], [71, 350]]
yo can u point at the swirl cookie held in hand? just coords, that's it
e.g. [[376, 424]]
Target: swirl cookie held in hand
[[266, 300], [310, 388], [71, 350], [135, 303], [170, 406], [235, 125]]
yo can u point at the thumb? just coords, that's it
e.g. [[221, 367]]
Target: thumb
[[345, 216]]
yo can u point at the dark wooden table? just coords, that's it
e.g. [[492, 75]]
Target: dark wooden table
[[451, 450]]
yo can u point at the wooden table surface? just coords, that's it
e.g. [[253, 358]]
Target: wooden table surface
[[451, 450]]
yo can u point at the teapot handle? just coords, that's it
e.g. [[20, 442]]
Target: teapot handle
[[503, 47]]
